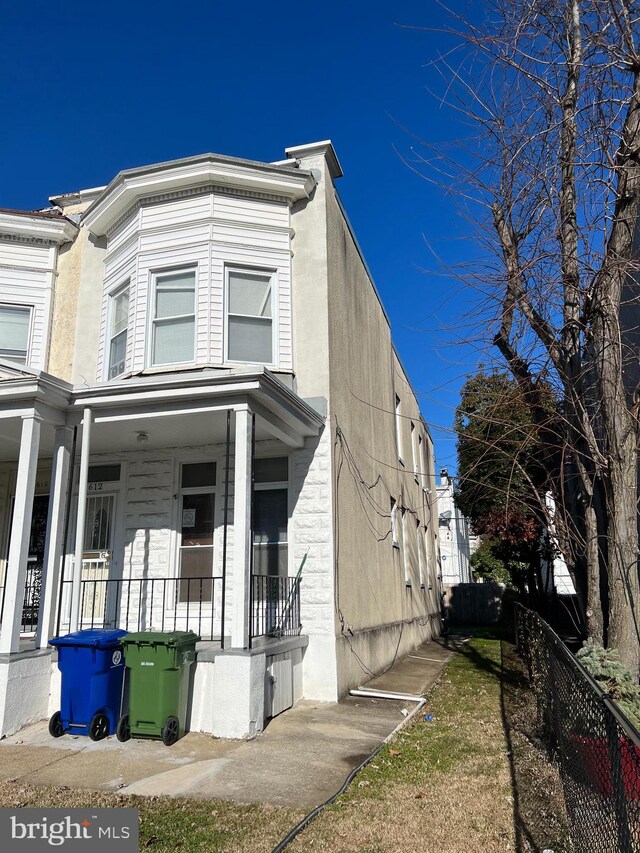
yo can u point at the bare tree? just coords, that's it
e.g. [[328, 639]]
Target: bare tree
[[554, 88]]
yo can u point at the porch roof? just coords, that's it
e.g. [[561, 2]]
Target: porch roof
[[135, 403], [281, 413]]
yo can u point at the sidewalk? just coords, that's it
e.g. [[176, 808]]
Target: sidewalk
[[302, 758]]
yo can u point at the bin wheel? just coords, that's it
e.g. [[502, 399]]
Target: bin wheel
[[99, 727], [55, 725], [123, 732], [170, 731]]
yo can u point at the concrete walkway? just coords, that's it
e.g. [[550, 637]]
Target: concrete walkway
[[302, 757]]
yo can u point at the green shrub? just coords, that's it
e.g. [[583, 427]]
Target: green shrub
[[605, 668]]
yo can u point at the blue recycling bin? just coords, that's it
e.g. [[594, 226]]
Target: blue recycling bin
[[92, 667]]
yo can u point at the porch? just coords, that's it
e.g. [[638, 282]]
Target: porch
[[167, 506]]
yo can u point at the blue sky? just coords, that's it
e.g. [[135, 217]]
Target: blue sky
[[89, 89]]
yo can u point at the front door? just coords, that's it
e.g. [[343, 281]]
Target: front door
[[96, 559]]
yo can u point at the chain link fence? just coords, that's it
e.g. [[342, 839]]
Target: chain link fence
[[596, 747]]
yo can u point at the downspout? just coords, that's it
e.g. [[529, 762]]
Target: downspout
[[370, 694]]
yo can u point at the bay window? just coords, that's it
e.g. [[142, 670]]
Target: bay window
[[249, 316], [15, 322], [173, 317]]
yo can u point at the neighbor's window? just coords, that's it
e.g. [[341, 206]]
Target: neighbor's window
[[250, 316], [270, 516], [174, 321], [118, 326], [14, 332]]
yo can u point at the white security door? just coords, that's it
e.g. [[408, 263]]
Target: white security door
[[96, 557]]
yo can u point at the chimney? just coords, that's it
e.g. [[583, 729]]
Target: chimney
[[444, 477]]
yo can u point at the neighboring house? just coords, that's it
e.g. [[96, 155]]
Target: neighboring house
[[199, 394], [457, 543]]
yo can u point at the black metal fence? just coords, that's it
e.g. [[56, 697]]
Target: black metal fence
[[140, 604], [31, 600], [596, 747], [275, 606]]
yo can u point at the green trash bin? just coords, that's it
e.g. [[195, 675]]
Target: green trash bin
[[157, 676]]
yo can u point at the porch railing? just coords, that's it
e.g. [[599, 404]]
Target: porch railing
[[142, 604], [31, 600], [275, 610]]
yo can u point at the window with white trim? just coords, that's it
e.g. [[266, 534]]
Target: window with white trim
[[271, 516], [118, 329], [394, 524], [399, 429], [405, 547], [420, 560], [15, 324], [249, 316], [414, 452], [197, 526], [173, 321]]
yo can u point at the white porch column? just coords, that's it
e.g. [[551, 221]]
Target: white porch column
[[16, 572], [76, 588], [54, 544], [242, 530]]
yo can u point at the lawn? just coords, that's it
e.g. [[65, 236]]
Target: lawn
[[470, 778]]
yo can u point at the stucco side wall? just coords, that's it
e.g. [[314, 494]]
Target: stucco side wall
[[381, 589], [313, 519]]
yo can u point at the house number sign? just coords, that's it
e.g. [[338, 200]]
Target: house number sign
[[95, 487]]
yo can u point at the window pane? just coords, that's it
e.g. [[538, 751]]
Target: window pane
[[198, 474], [120, 312], [104, 473], [117, 354], [175, 295], [14, 330], [249, 293], [195, 563], [197, 519], [173, 341], [270, 515], [250, 340], [275, 470], [271, 560]]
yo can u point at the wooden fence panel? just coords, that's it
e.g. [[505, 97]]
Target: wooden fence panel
[[473, 603]]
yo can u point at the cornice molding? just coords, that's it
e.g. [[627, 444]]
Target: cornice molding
[[207, 189], [21, 228], [207, 173]]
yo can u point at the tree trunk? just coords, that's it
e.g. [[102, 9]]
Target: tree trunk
[[595, 621], [623, 556]]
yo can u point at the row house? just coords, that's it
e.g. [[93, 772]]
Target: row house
[[204, 425]]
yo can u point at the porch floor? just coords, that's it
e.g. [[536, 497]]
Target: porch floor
[[302, 757]]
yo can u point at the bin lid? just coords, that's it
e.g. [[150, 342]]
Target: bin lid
[[161, 638], [100, 638]]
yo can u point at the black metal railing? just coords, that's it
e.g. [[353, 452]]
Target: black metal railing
[[31, 600], [595, 745], [275, 606], [141, 604]]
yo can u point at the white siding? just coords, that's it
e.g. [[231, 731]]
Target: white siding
[[27, 277]]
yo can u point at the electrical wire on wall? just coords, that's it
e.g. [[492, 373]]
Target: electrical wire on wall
[[344, 460]]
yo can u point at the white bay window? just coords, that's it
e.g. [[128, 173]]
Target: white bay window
[[173, 321], [249, 316]]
